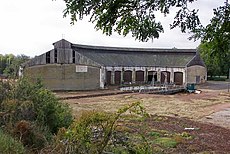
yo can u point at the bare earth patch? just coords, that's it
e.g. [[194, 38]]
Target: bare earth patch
[[208, 113], [193, 106]]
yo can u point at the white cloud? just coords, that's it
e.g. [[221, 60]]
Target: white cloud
[[30, 27]]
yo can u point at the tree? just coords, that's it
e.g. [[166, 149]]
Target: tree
[[2, 63], [217, 32], [9, 64], [212, 63], [138, 17], [217, 64], [5, 61], [132, 16], [215, 39]]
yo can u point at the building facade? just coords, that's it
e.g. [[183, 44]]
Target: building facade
[[71, 66]]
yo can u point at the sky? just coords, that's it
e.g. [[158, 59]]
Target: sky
[[30, 27]]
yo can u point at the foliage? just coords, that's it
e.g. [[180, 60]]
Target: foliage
[[139, 18], [166, 142], [98, 132], [215, 78], [31, 112], [216, 37], [155, 134], [10, 145], [217, 63], [216, 33], [9, 64], [128, 16], [32, 134]]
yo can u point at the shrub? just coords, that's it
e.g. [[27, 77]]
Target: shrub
[[35, 109], [4, 91], [96, 133], [32, 135], [10, 145], [32, 102]]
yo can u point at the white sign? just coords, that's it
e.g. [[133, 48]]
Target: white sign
[[81, 68]]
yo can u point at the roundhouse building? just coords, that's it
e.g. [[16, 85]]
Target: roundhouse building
[[71, 66]]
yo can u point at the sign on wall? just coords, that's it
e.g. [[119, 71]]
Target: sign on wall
[[80, 68]]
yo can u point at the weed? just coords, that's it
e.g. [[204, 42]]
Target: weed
[[96, 132], [186, 135], [166, 142], [155, 134]]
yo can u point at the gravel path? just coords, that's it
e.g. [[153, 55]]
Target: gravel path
[[221, 115]]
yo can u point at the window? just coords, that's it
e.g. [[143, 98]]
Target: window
[[55, 55], [48, 57], [73, 56]]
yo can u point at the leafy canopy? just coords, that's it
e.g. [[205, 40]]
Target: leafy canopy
[[138, 18], [215, 46], [132, 16], [9, 64], [217, 32]]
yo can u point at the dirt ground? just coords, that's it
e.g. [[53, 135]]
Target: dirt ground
[[211, 105], [208, 113]]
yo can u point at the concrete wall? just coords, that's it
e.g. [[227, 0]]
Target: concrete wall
[[196, 74], [65, 77]]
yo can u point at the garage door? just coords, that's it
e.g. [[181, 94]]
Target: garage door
[[178, 78], [127, 76], [140, 76], [117, 77]]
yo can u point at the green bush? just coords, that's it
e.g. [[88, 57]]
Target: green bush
[[4, 91], [10, 145], [31, 104], [99, 132]]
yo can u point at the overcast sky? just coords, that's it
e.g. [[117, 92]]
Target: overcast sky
[[31, 26]]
